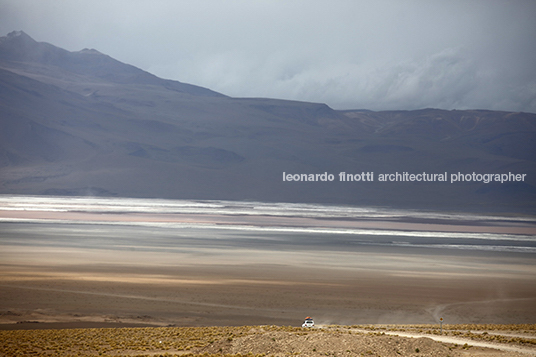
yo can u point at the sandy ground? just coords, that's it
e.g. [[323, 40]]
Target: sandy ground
[[275, 341], [242, 285]]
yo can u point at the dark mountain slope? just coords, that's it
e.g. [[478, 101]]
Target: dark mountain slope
[[84, 123], [500, 133]]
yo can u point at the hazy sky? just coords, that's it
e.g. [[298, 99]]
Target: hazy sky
[[378, 55]]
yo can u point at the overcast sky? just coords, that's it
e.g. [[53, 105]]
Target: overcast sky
[[377, 55]]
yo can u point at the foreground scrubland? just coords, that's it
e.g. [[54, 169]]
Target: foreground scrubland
[[268, 341]]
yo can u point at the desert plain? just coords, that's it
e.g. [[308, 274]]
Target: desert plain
[[101, 270], [208, 269]]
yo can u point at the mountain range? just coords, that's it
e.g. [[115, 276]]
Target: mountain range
[[83, 123]]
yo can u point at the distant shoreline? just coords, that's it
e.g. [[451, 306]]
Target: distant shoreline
[[407, 224]]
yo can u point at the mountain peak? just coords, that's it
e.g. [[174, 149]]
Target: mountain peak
[[19, 46], [90, 51], [17, 36]]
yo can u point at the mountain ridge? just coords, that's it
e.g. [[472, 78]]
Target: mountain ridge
[[71, 124], [18, 47]]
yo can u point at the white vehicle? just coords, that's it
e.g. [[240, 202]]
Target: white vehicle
[[308, 322]]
